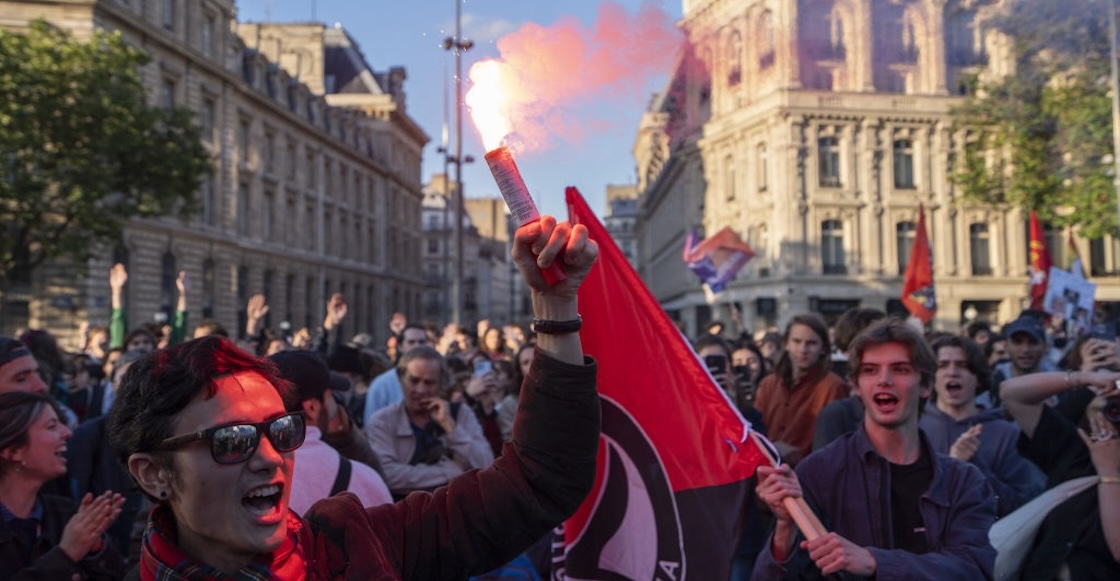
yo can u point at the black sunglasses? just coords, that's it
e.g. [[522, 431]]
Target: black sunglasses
[[235, 443]]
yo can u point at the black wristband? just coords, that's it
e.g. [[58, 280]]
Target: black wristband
[[548, 327]]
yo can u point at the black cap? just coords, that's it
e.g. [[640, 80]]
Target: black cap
[[345, 359], [12, 349], [306, 370]]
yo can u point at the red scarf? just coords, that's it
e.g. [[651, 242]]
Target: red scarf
[[162, 559]]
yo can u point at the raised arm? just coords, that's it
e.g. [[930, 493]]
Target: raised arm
[[1023, 396]]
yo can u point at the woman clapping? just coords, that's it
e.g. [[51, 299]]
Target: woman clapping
[[44, 536]]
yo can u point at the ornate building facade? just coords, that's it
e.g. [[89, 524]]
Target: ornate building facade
[[815, 129], [315, 187]]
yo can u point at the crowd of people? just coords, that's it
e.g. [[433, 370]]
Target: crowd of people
[[912, 447], [441, 454], [450, 451]]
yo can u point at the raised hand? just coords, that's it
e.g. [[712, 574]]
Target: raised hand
[[538, 244], [118, 275], [336, 311], [82, 534]]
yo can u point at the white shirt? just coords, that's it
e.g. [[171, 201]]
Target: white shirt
[[315, 471]]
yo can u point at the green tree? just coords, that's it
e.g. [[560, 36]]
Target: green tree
[[81, 149], [1041, 138]]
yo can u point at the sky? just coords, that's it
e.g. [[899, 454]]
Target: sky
[[591, 117]]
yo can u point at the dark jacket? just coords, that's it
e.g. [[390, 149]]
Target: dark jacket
[[847, 484], [47, 562], [482, 518]]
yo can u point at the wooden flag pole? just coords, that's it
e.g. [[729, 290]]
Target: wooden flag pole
[[803, 516]]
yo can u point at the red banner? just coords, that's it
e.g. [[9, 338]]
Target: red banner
[[918, 293], [674, 453], [1040, 263]]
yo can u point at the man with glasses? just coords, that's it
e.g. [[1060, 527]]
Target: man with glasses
[[424, 441], [209, 433]]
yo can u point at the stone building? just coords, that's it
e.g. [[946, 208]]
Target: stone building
[[492, 288], [315, 186], [814, 129], [621, 220]]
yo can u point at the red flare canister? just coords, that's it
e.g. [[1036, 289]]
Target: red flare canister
[[518, 200]]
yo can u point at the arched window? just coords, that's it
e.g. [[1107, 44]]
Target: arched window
[[208, 288], [734, 59], [767, 41]]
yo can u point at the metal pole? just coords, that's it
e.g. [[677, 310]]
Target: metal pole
[[1115, 104], [457, 283]]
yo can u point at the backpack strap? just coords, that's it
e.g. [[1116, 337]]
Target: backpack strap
[[342, 479]]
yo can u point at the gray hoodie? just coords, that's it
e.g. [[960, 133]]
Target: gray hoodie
[[1015, 479]]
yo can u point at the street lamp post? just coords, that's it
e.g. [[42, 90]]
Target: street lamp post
[[459, 45]]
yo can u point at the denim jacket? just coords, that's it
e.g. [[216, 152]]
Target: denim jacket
[[847, 484]]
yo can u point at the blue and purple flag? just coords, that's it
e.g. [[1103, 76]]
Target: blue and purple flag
[[717, 259]]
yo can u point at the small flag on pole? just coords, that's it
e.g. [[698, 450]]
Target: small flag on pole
[[918, 293], [1040, 263], [717, 259]]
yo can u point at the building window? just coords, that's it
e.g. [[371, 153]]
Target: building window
[[266, 216], [980, 249], [206, 35], [734, 58], [207, 118], [828, 150], [904, 239], [243, 209], [289, 291], [768, 43], [209, 288], [312, 229], [836, 49], [763, 171], [904, 164], [242, 286], [243, 142], [832, 247], [308, 296], [169, 14], [1098, 265], [290, 159], [167, 94], [433, 246], [267, 152], [729, 177], [310, 161], [168, 291], [266, 290], [206, 196]]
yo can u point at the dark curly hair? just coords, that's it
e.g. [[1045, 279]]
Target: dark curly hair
[[157, 387]]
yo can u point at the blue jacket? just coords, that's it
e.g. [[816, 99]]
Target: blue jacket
[[1015, 479], [847, 484]]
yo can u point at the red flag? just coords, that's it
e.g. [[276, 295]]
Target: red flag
[[674, 453], [1040, 263], [918, 294]]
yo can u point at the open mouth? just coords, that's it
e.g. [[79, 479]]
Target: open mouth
[[263, 500], [885, 402], [953, 388]]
